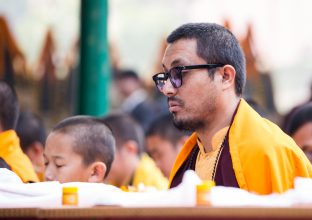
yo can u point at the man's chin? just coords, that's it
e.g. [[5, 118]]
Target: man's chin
[[186, 125]]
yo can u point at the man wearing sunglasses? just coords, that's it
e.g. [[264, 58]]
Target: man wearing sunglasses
[[203, 79]]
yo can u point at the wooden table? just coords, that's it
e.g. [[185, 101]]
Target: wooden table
[[158, 213]]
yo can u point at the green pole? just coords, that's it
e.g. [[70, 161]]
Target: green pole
[[94, 75]]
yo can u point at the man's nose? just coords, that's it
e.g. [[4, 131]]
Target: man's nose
[[168, 89]]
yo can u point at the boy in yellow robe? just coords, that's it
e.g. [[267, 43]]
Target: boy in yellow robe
[[79, 149], [131, 166]]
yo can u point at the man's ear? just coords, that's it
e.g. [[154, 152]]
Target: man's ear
[[97, 172], [228, 76]]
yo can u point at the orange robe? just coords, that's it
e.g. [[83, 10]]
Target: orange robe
[[265, 160], [12, 154]]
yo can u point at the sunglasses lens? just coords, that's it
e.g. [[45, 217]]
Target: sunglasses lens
[[160, 80], [160, 85], [176, 77]]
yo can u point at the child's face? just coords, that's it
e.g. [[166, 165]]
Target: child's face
[[163, 152], [303, 138], [61, 162]]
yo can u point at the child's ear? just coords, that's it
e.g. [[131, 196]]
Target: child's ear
[[131, 147], [97, 172], [35, 152]]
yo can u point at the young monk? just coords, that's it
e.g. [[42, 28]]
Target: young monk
[[32, 135], [131, 167], [79, 149], [163, 142]]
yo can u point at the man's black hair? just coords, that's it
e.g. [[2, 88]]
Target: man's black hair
[[216, 45]]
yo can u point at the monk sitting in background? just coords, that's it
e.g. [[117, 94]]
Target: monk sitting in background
[[164, 141], [32, 135], [131, 166], [79, 149], [11, 154], [299, 127]]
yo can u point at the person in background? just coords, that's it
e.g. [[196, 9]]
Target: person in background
[[203, 80], [163, 142], [299, 127], [32, 136], [136, 101], [131, 166], [11, 154], [79, 149]]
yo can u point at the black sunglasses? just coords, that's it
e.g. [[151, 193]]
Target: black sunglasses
[[175, 74]]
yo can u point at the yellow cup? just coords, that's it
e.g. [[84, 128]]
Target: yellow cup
[[70, 195], [203, 192]]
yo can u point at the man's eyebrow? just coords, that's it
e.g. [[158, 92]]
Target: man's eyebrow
[[173, 63], [176, 62]]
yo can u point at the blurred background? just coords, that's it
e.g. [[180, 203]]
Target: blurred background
[[63, 56]]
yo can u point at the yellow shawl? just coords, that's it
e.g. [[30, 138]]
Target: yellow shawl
[[13, 155], [265, 160]]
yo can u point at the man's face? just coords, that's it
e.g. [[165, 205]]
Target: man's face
[[193, 105], [61, 162], [163, 152]]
